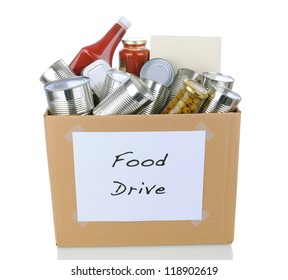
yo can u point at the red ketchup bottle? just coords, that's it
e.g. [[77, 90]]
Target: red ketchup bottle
[[103, 49]]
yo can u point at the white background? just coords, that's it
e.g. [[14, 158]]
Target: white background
[[34, 34]]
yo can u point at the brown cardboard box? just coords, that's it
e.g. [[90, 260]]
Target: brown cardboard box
[[220, 181], [220, 166]]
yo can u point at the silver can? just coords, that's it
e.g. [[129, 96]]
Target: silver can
[[128, 98], [181, 76], [220, 100], [58, 70], [160, 94], [159, 70], [97, 72], [114, 78], [69, 96], [216, 78]]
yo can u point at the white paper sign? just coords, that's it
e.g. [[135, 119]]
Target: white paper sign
[[139, 176]]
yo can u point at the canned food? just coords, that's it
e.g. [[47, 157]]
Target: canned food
[[114, 78], [181, 76], [128, 98], [159, 70], [58, 70], [69, 96], [188, 99], [160, 94], [220, 100], [96, 72], [216, 78]]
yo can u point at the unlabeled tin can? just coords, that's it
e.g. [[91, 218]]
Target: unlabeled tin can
[[188, 99], [58, 70], [216, 78], [128, 98], [114, 78], [97, 72], [220, 100], [69, 96], [160, 94], [159, 70], [181, 76]]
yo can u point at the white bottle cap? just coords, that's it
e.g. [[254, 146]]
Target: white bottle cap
[[124, 22]]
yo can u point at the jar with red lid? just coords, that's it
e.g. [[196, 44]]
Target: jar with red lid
[[133, 55]]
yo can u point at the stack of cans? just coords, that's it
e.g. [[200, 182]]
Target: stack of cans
[[122, 93]]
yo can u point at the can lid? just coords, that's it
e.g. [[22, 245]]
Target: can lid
[[66, 83], [118, 75], [159, 70], [96, 72], [134, 41], [215, 76], [67, 89], [137, 90], [196, 89]]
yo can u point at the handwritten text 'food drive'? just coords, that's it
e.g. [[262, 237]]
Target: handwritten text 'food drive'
[[146, 190]]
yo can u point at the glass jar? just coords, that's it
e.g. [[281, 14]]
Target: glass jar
[[188, 99], [133, 55]]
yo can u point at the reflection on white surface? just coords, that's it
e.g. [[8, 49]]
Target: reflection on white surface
[[185, 252]]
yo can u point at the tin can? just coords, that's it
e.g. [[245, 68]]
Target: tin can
[[159, 70], [96, 72], [181, 76], [220, 100], [58, 70], [216, 78], [128, 98], [114, 78], [69, 96], [188, 99], [160, 94]]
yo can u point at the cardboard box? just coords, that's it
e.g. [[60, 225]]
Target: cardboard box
[[220, 181], [220, 166]]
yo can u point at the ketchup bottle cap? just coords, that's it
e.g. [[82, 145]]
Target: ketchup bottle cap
[[124, 22]]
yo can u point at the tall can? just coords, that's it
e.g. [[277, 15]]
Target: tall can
[[188, 100], [182, 75], [133, 55]]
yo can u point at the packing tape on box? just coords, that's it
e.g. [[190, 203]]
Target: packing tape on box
[[76, 128], [202, 126], [205, 215], [75, 219]]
